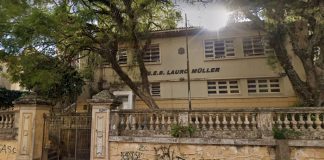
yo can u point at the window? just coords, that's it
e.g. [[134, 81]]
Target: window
[[223, 87], [122, 56], [152, 53], [216, 49], [155, 89], [256, 46], [263, 86]]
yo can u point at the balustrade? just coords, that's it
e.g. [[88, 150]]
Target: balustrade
[[310, 121], [232, 123], [154, 121], [224, 121], [7, 120]]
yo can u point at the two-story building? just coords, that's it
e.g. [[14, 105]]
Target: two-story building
[[228, 68]]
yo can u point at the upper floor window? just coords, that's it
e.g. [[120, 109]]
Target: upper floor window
[[263, 86], [155, 89], [122, 56], [216, 49], [223, 87], [256, 46], [152, 53]]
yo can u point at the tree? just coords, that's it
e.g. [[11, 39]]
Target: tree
[[48, 76], [298, 23], [94, 26], [7, 97]]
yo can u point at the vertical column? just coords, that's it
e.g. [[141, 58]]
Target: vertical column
[[264, 123], [100, 129], [30, 127], [183, 118]]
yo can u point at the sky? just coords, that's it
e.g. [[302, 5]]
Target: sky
[[210, 15]]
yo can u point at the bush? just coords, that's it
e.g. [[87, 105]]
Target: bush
[[7, 97], [285, 133], [182, 131]]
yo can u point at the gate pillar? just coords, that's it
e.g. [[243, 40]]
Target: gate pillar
[[100, 128], [31, 126]]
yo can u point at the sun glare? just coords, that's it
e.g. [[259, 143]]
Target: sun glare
[[215, 18]]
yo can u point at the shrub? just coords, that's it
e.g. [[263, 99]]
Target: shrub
[[182, 131]]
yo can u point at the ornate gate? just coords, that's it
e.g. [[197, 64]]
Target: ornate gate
[[67, 136]]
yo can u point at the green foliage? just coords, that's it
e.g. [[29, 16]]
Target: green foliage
[[297, 104], [182, 131], [76, 26], [285, 133], [46, 75], [7, 97]]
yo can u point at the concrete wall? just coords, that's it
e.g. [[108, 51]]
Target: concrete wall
[[134, 151], [307, 153], [8, 149]]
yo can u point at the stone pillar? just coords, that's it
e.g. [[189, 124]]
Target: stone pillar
[[265, 120], [282, 150], [183, 118], [100, 128], [31, 126]]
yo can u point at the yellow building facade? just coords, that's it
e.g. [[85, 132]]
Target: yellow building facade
[[228, 69]]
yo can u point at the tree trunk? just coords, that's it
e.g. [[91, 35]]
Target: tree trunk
[[302, 89], [146, 97]]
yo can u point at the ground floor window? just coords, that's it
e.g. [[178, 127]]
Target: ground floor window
[[223, 87], [263, 86]]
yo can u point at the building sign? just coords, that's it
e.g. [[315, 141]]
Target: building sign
[[183, 71]]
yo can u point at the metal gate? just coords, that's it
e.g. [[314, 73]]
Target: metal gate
[[67, 136]]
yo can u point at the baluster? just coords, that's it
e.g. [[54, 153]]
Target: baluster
[[128, 117], [1, 121], [190, 120], [246, 122], [224, 122], [293, 122], [140, 122], [151, 122], [175, 119], [122, 122], [279, 122], [13, 120], [286, 122], [318, 122], [5, 124], [301, 122], [133, 122], [10, 120], [239, 122], [217, 122], [309, 122], [210, 123], [203, 122], [197, 122], [163, 123], [169, 123], [254, 123], [157, 123], [145, 122], [322, 119], [232, 122]]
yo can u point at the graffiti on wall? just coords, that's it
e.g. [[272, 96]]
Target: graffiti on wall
[[161, 153], [7, 149], [131, 155], [165, 153]]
